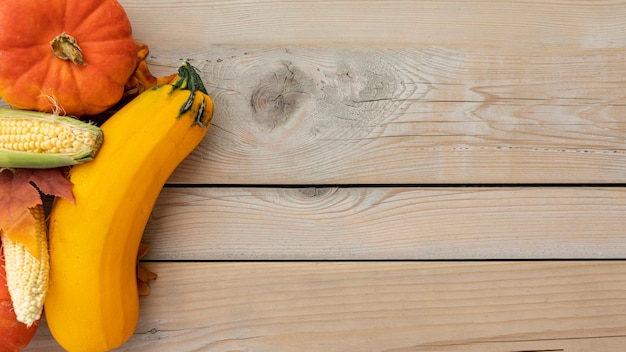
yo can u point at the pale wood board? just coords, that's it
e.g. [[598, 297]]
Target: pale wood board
[[408, 115], [381, 306], [511, 25], [300, 221], [357, 223], [394, 116]]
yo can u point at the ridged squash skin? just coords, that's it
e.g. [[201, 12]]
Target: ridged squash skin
[[92, 302]]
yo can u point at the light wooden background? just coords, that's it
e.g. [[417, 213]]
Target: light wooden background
[[392, 176]]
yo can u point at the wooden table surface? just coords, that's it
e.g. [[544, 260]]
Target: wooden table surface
[[392, 176]]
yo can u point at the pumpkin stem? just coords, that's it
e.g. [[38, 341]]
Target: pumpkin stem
[[65, 47]]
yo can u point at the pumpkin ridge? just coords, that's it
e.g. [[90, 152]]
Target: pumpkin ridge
[[87, 20], [96, 22], [111, 78], [19, 81], [99, 43], [71, 26], [99, 48], [48, 89], [111, 75], [25, 46], [87, 102]]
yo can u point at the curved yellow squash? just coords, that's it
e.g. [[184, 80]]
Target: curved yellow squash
[[92, 302]]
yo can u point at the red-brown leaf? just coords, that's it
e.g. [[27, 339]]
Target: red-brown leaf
[[19, 191], [50, 181]]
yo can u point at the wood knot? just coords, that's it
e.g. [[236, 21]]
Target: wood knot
[[310, 192], [279, 95]]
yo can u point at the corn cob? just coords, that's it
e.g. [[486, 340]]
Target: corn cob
[[30, 139], [27, 276]]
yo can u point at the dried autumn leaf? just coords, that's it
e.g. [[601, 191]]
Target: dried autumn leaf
[[19, 191], [144, 276], [52, 182]]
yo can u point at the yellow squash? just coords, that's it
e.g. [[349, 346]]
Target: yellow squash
[[92, 302]]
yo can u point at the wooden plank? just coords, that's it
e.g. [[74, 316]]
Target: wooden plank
[[399, 116], [406, 116], [378, 306], [387, 223], [492, 24]]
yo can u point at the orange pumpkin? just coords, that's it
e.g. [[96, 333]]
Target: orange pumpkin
[[75, 54]]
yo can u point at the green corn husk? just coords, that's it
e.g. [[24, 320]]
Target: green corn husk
[[37, 140]]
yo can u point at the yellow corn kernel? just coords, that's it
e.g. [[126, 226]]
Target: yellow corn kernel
[[42, 136], [31, 139], [27, 276]]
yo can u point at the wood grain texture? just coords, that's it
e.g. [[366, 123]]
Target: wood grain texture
[[408, 116], [401, 306], [511, 25], [358, 106], [387, 223]]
